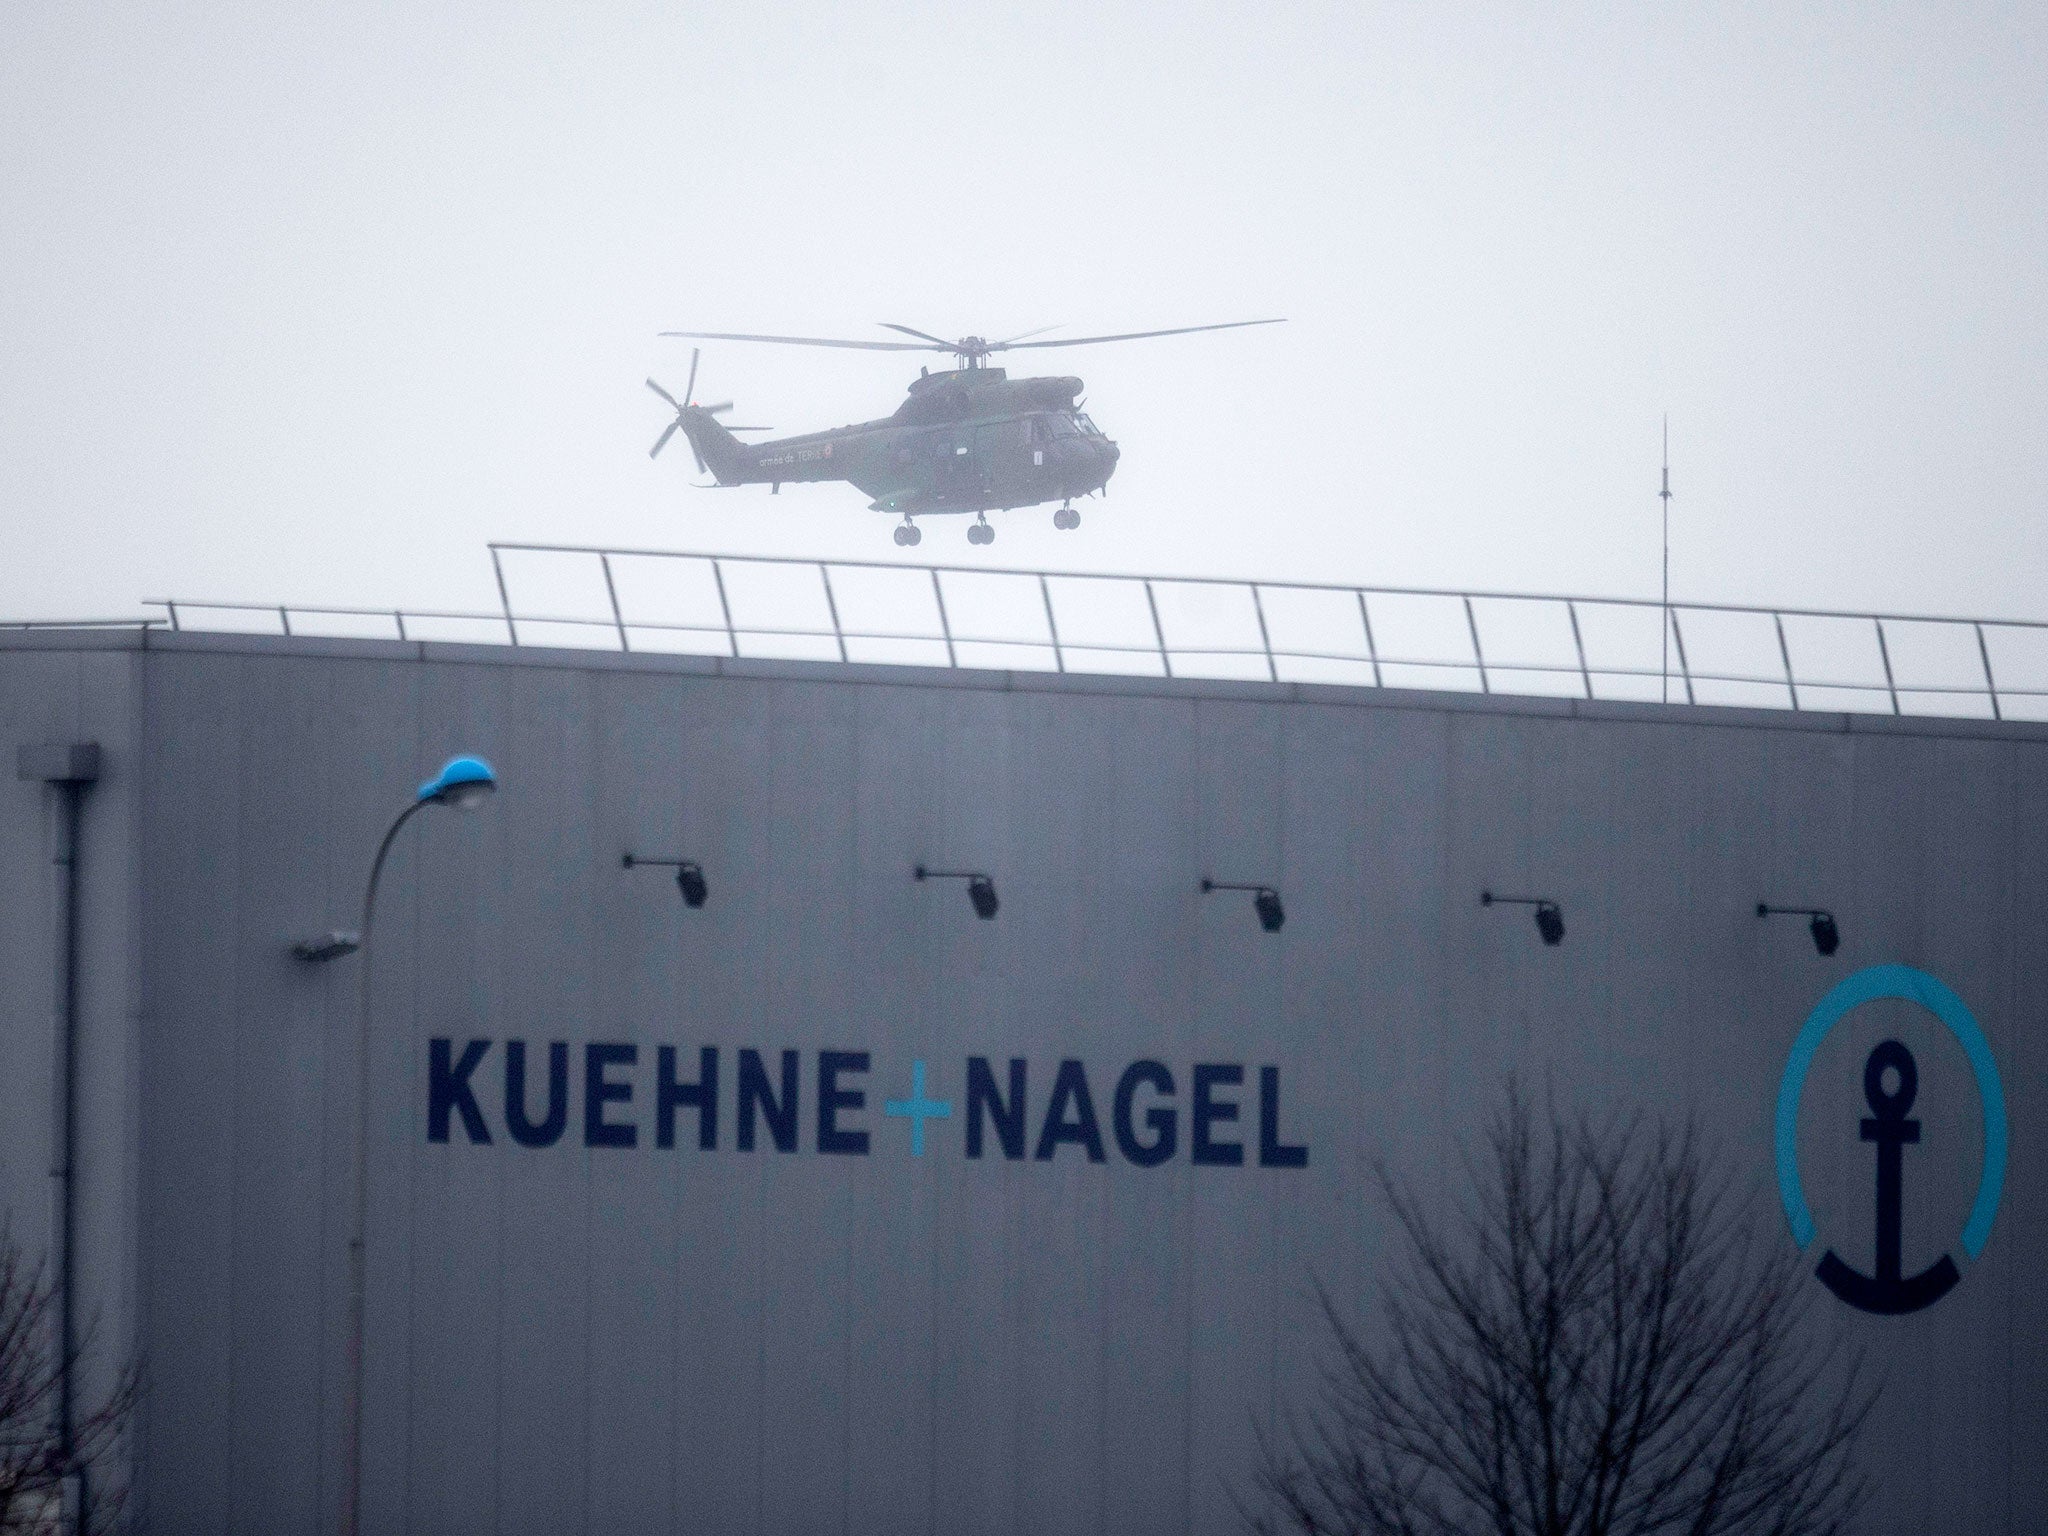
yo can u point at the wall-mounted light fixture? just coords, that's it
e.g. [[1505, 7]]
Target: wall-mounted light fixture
[[689, 877], [1827, 938], [981, 889], [1265, 901], [1549, 915]]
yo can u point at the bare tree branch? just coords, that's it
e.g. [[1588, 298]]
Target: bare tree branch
[[1595, 1343], [33, 1465]]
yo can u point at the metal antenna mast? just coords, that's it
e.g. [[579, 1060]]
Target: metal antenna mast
[[1665, 496]]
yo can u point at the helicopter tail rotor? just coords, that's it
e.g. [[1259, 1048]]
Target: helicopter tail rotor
[[661, 442], [700, 426], [679, 406], [673, 427]]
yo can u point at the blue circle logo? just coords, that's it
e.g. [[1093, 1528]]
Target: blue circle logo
[[1891, 1128]]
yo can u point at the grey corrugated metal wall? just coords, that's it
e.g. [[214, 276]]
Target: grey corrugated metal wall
[[600, 1338]]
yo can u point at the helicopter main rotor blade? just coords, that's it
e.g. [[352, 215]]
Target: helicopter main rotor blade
[[690, 389], [671, 399], [814, 341], [908, 331], [1011, 341], [1179, 330]]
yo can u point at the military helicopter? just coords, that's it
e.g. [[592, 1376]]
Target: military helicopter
[[969, 439]]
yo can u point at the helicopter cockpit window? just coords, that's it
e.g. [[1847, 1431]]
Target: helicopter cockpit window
[[1062, 426], [1083, 421]]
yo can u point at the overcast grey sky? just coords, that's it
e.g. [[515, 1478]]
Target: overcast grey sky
[[308, 303]]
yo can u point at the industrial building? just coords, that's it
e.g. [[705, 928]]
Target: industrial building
[[802, 1196]]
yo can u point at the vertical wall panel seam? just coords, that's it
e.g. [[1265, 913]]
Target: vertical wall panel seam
[[241, 669], [594, 780], [415, 678], [2011, 989], [134, 797], [495, 990]]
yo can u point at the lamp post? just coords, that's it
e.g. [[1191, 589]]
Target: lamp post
[[463, 783]]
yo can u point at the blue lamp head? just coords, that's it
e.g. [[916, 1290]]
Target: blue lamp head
[[462, 782]]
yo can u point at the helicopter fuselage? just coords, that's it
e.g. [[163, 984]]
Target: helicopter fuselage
[[966, 440]]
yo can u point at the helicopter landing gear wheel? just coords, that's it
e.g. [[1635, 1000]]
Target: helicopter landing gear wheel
[[907, 533], [1066, 517], [981, 533]]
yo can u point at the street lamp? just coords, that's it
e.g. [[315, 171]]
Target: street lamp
[[463, 783]]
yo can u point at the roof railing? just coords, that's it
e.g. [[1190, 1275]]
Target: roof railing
[[1591, 647], [134, 623]]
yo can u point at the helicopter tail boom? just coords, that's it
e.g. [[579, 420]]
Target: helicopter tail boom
[[725, 456]]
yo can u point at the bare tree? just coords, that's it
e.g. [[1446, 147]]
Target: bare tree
[[1593, 1344], [34, 1462]]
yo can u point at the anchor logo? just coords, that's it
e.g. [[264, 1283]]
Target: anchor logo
[[1891, 1081], [1886, 1291]]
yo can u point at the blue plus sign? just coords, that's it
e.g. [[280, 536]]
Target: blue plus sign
[[917, 1109]]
